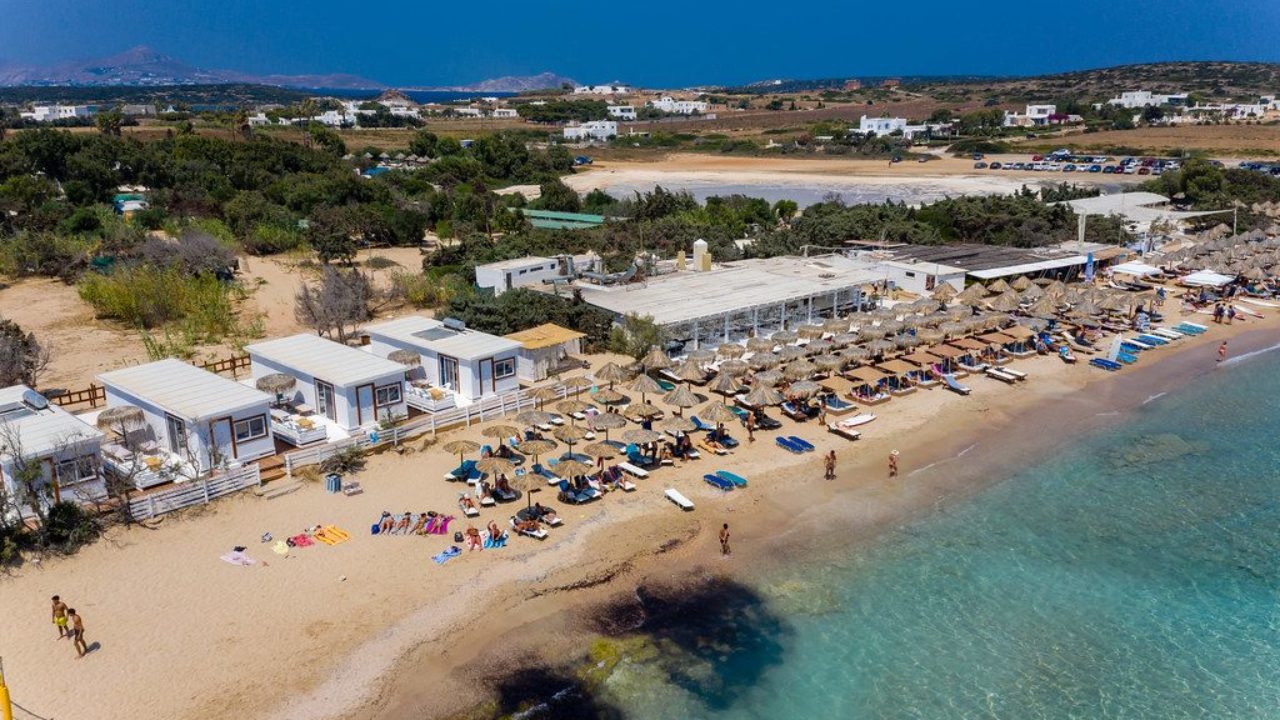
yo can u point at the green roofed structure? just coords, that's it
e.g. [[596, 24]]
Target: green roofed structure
[[553, 220]]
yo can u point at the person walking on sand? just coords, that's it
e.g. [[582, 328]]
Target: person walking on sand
[[1231, 314], [60, 617], [77, 632], [751, 427], [1222, 351], [831, 465], [893, 464], [724, 539]]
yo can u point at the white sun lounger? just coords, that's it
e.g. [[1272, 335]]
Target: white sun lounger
[[1001, 375], [1259, 303], [1016, 373], [627, 485], [674, 496], [539, 534], [844, 432], [954, 386], [630, 469], [1167, 333]]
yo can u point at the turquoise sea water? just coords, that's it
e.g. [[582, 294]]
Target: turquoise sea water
[[1133, 574]]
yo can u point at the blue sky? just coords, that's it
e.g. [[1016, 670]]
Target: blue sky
[[655, 43]]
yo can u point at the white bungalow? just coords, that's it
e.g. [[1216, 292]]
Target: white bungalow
[[194, 421], [350, 387], [66, 448], [467, 363]]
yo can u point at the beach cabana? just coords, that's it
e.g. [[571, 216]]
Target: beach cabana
[[547, 350], [468, 363], [1024, 341], [924, 363], [351, 388], [947, 359], [973, 351], [64, 447], [898, 376], [192, 421], [868, 385]]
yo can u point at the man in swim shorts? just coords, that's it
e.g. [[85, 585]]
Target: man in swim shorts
[[60, 617]]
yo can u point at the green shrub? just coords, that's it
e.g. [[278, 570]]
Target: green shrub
[[68, 527], [417, 289], [43, 253], [147, 297], [270, 240]]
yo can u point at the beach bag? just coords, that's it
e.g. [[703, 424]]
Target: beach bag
[[457, 537]]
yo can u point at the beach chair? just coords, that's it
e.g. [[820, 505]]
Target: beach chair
[[1017, 374], [699, 425], [471, 511], [953, 385], [538, 534], [1168, 334], [1104, 364], [1001, 375], [552, 478], [1155, 340], [786, 444], [718, 482], [630, 469], [466, 471], [737, 480], [844, 431], [680, 500], [801, 443], [713, 449]]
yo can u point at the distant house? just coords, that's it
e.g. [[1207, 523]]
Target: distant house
[[881, 126], [138, 110], [622, 112], [468, 112], [50, 113], [1145, 98], [1035, 115], [66, 449], [505, 113], [259, 119], [594, 130], [668, 104], [890, 83], [852, 85], [601, 90], [506, 275]]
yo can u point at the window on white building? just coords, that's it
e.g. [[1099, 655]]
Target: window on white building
[[504, 368], [77, 470], [388, 395], [252, 428]]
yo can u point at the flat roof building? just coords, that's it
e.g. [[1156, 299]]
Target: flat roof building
[[33, 432], [468, 363]]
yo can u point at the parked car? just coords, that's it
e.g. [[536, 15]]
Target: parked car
[[994, 165], [1037, 158], [1069, 167], [1095, 168], [981, 165], [1144, 171], [1108, 170], [978, 156]]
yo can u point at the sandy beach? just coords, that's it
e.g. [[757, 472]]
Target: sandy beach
[[351, 630]]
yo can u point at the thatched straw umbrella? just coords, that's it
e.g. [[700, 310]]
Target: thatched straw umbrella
[[682, 397], [494, 465], [892, 327], [545, 393], [599, 450], [733, 367], [1044, 307], [999, 286], [569, 435], [644, 410], [930, 335], [829, 363], [873, 332], [760, 344], [717, 412], [767, 377], [690, 371], [855, 354], [731, 350], [763, 395], [537, 448], [782, 337], [119, 418], [701, 356], [577, 383], [804, 388], [1032, 293], [1020, 283], [500, 432], [276, 384], [678, 423], [571, 468], [880, 348], [533, 417], [844, 339], [461, 447], [819, 347], [799, 370], [656, 360], [791, 352], [569, 407], [609, 397], [612, 373], [640, 436], [810, 332], [835, 326], [606, 422], [764, 360], [1005, 302], [408, 358], [944, 292], [644, 385], [972, 294], [726, 385]]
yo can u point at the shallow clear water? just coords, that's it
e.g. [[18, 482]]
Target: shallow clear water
[[1133, 574]]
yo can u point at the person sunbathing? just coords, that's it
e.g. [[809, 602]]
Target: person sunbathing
[[527, 526], [665, 455], [385, 523], [494, 532], [420, 525], [466, 503], [503, 485], [403, 523], [543, 513], [473, 538]]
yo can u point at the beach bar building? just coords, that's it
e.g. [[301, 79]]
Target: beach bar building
[[191, 422], [547, 350], [66, 449], [352, 388], [467, 363]]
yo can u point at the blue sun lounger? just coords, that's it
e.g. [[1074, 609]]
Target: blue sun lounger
[[786, 444], [718, 482], [737, 480], [1104, 364], [954, 386], [1189, 329], [1152, 340], [801, 443], [699, 425], [466, 471]]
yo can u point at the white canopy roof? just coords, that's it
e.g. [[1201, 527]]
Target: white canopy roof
[[1140, 269], [1207, 277]]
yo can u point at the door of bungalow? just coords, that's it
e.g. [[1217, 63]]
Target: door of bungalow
[[222, 446], [449, 373], [326, 400], [487, 383], [365, 409]]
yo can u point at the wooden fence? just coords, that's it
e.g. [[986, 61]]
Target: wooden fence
[[486, 409], [194, 492], [233, 364]]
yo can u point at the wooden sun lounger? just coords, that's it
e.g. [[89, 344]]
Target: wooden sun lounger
[[846, 433], [1016, 373], [680, 500], [1001, 375]]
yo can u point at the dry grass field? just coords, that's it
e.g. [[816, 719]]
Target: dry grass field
[[1227, 140]]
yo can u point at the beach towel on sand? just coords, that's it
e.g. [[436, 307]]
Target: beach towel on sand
[[280, 548], [449, 553], [236, 557]]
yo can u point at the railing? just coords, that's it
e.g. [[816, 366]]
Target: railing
[[488, 408], [92, 396], [232, 364], [194, 492]]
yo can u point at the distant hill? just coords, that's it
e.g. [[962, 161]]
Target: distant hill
[[160, 95], [509, 84], [143, 66], [1210, 77]]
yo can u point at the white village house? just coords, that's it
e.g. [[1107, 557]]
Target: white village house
[[594, 130], [350, 387], [66, 448], [194, 421], [467, 363], [881, 126], [622, 112], [49, 113], [668, 104]]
